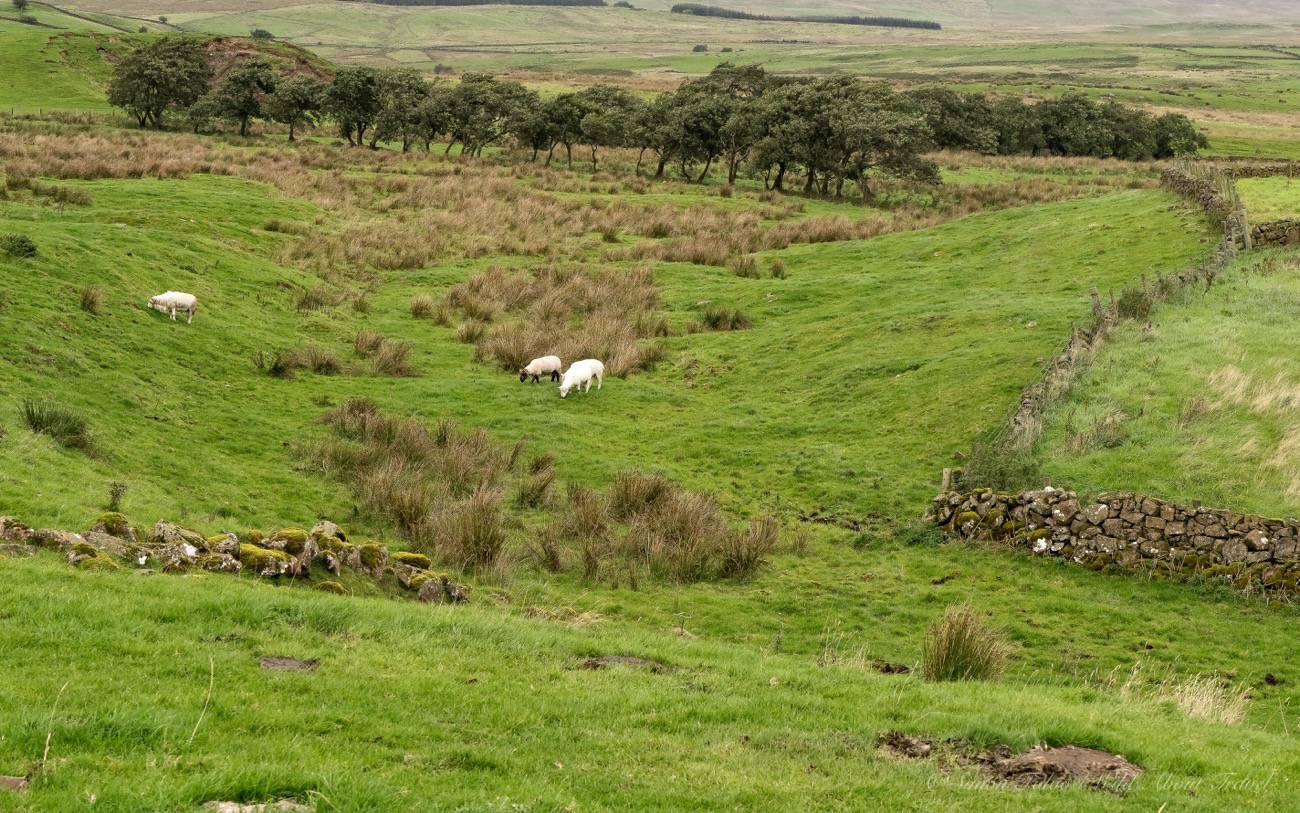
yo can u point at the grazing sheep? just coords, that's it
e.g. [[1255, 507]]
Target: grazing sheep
[[174, 302], [541, 366], [580, 373]]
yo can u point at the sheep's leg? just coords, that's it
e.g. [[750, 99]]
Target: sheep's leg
[[172, 311], [190, 320], [536, 379], [600, 380], [555, 376]]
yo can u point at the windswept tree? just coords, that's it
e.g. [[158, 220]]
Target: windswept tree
[[240, 93], [295, 102], [1175, 135], [564, 115], [957, 121], [609, 117], [168, 73], [433, 116], [401, 92], [352, 100], [483, 109]]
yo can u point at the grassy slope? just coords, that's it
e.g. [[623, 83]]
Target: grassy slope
[[1202, 394], [407, 709], [50, 70], [912, 343], [1270, 198]]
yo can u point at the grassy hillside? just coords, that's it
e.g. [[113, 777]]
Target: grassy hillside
[[869, 366], [476, 708], [51, 70], [1199, 405], [1276, 198]]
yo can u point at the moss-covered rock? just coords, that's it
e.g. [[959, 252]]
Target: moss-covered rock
[[102, 563], [411, 559], [332, 587], [373, 558], [220, 563], [253, 536], [264, 561], [114, 523], [291, 540]]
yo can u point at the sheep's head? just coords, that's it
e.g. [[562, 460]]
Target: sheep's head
[[564, 390], [153, 300], [523, 375]]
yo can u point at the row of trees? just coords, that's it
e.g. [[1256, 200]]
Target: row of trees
[[829, 131]]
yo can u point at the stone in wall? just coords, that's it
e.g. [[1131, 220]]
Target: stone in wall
[[1126, 530]]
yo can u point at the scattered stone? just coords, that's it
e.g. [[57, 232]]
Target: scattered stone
[[411, 559], [16, 550], [220, 563], [276, 663], [264, 561], [327, 530], [887, 668], [116, 524], [332, 587], [1272, 679], [943, 579], [167, 533], [605, 661], [53, 538], [178, 557], [226, 543], [14, 530], [905, 745], [1068, 763], [14, 783], [110, 544], [440, 589]]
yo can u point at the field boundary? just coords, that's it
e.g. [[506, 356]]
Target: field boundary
[[1131, 532], [1217, 198]]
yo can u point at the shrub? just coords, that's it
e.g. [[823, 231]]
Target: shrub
[[66, 427], [535, 488], [471, 330], [282, 363], [634, 493], [392, 359], [744, 265], [473, 531], [116, 493], [747, 550], [320, 361], [960, 646], [699, 49], [367, 342], [1135, 303], [61, 194], [17, 245], [422, 306], [92, 300], [318, 298], [777, 269]]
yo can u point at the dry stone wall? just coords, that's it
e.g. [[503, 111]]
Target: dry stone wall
[[1276, 233], [1126, 530]]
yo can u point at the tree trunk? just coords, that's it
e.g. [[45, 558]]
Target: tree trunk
[[291, 129], [243, 126], [663, 161], [705, 173], [551, 153], [593, 159], [732, 169], [779, 183], [639, 156], [810, 181], [451, 143], [568, 152]]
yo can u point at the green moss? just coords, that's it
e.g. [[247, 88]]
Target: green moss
[[994, 518], [84, 549], [411, 558], [253, 536], [964, 518], [114, 523], [332, 587], [258, 558], [372, 555], [98, 563]]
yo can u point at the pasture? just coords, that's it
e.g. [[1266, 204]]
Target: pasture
[[810, 358]]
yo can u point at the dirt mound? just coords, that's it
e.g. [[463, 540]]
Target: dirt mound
[[226, 52], [1041, 765], [1068, 763]]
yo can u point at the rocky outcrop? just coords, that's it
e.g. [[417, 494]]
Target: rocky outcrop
[[1131, 531]]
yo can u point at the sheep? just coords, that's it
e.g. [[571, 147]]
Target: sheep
[[580, 373], [541, 366], [173, 302]]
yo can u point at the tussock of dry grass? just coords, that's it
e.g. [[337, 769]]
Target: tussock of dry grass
[[961, 646], [443, 490], [568, 311]]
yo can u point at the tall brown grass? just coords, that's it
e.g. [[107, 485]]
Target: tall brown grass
[[961, 646]]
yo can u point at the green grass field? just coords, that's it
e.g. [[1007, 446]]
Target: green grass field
[[869, 366], [1267, 199], [1200, 400]]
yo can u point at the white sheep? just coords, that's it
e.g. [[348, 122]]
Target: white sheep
[[539, 367], [580, 373], [174, 302]]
